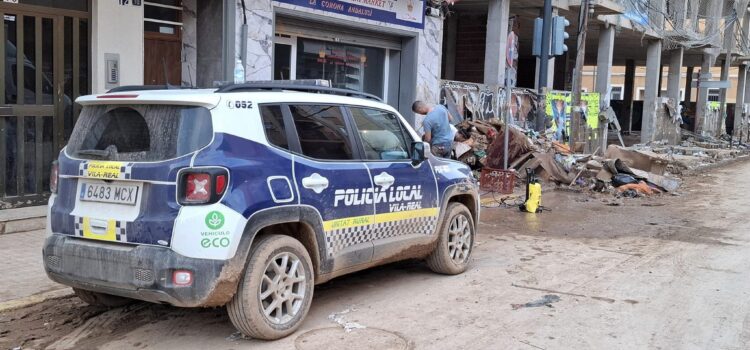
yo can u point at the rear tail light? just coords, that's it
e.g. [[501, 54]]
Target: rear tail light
[[54, 175], [197, 187], [202, 186], [182, 278], [221, 184]]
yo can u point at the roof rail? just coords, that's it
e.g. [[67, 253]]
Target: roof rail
[[280, 86], [127, 88]]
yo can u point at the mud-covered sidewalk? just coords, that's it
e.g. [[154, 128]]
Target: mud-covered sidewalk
[[667, 272]]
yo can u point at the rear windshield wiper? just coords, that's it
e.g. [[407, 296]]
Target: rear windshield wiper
[[99, 153]]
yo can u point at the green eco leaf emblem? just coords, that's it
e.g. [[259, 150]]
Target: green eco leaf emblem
[[215, 220]]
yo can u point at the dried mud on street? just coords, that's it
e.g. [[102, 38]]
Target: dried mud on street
[[594, 272]]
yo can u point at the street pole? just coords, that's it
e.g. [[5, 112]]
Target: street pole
[[541, 115], [508, 97], [577, 125]]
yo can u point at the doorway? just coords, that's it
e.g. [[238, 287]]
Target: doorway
[[45, 68], [162, 42]]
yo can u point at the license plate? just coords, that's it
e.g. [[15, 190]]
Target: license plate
[[109, 193]]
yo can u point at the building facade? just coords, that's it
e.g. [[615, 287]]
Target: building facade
[[70, 48]]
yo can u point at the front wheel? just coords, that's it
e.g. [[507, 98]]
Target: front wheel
[[456, 241], [276, 290]]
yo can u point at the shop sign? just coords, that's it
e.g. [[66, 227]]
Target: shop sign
[[408, 13], [11, 1]]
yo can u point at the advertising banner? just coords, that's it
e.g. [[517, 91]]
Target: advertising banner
[[481, 102], [408, 13], [558, 107]]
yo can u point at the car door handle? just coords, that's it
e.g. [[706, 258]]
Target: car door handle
[[384, 180], [315, 182]]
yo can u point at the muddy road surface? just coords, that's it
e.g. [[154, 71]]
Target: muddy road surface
[[592, 273]]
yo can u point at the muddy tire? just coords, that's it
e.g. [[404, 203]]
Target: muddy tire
[[456, 242], [101, 299], [276, 289]]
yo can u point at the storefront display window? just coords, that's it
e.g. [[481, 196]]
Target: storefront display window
[[346, 66]]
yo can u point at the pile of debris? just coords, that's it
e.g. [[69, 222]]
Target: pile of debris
[[640, 170], [480, 143]]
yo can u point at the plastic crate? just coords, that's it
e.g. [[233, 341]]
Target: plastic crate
[[497, 180]]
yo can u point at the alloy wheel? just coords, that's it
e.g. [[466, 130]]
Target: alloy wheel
[[282, 290], [459, 238]]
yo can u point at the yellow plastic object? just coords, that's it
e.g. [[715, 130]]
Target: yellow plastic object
[[534, 202]]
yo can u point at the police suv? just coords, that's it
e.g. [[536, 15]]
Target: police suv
[[247, 196]]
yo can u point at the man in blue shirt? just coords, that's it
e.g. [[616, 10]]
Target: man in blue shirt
[[436, 125]]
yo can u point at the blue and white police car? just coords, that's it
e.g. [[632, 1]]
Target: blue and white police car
[[247, 196]]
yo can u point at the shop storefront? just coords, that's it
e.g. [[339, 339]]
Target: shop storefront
[[356, 62], [386, 48]]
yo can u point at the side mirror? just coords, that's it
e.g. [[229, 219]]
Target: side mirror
[[417, 153]]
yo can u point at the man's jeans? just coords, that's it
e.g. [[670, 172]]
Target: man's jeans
[[442, 150]]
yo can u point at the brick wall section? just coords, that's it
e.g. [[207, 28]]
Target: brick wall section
[[471, 34]]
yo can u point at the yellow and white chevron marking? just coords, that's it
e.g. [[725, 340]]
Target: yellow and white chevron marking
[[346, 232], [114, 230]]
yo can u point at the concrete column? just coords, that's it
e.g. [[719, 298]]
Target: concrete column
[[628, 92], [723, 96], [656, 17], [740, 101], [700, 104], [496, 41], [653, 64], [189, 42], [675, 75], [604, 64], [713, 22], [693, 13], [679, 9], [258, 55], [449, 51]]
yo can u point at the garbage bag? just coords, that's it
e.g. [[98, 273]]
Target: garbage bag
[[623, 179]]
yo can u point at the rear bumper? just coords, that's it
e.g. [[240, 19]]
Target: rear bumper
[[139, 272]]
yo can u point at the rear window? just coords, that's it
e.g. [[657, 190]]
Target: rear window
[[140, 132]]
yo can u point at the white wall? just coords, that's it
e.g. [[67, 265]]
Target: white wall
[[116, 29]]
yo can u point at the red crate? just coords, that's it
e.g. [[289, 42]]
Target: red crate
[[497, 180]]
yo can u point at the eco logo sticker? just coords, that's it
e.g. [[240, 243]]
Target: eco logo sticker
[[215, 220]]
